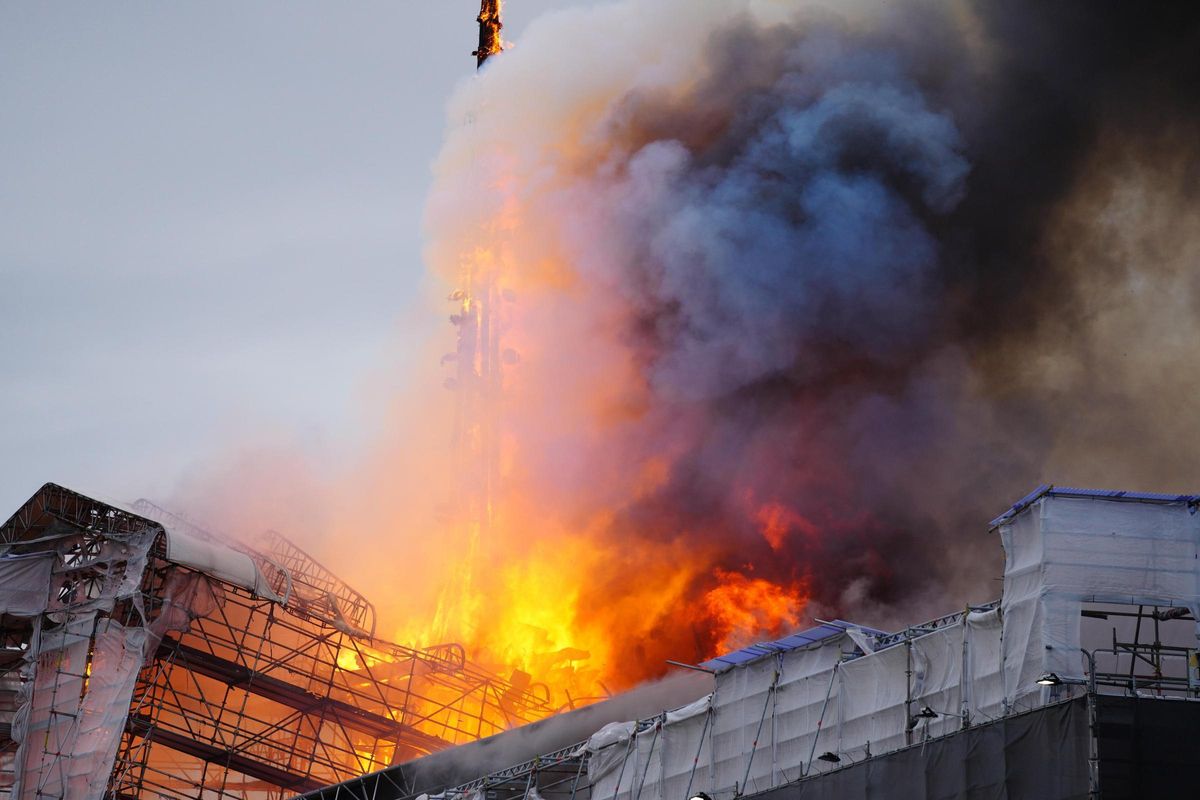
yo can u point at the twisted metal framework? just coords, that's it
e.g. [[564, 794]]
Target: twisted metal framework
[[260, 692], [558, 775], [561, 774]]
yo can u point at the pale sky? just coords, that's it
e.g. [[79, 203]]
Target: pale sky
[[210, 226]]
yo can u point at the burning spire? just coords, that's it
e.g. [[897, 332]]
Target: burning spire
[[757, 258], [489, 31], [477, 383]]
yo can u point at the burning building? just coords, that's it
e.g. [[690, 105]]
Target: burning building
[[144, 656], [1080, 681], [757, 305], [759, 302]]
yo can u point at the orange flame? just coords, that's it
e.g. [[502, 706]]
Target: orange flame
[[742, 609]]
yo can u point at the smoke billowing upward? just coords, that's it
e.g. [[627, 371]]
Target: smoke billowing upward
[[804, 294], [800, 290]]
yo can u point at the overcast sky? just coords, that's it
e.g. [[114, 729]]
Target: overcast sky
[[210, 226]]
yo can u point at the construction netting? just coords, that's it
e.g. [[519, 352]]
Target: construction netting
[[1062, 552], [805, 711], [79, 670], [769, 722], [80, 666]]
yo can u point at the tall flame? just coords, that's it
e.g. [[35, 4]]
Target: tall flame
[[766, 286]]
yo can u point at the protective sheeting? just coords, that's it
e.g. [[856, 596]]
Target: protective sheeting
[[1063, 551], [983, 691], [74, 708], [80, 668], [187, 596], [1040, 755], [773, 716], [1147, 747], [769, 721], [219, 561], [25, 584]]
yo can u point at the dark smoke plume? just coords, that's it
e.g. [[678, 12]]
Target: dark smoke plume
[[805, 294], [834, 260]]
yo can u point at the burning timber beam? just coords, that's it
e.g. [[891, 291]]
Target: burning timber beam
[[489, 31]]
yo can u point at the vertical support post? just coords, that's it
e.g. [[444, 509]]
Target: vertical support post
[[649, 756], [620, 775], [807, 767], [1093, 743], [578, 775], [908, 671], [758, 733], [774, 723], [699, 748], [965, 680]]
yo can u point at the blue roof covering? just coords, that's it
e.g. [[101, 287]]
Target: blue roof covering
[[1050, 490], [796, 641]]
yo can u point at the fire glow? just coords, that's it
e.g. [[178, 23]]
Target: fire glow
[[769, 292]]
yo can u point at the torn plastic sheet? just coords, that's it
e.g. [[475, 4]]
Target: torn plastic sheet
[[80, 668], [25, 584], [93, 576], [609, 748], [74, 710], [187, 596]]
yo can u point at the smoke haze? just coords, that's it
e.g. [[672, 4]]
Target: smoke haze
[[803, 295]]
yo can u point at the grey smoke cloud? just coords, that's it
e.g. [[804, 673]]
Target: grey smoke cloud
[[826, 251]]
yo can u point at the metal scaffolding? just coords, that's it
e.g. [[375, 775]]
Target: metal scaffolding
[[252, 672]]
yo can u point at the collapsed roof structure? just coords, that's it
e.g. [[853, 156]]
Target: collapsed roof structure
[[1071, 681], [143, 656]]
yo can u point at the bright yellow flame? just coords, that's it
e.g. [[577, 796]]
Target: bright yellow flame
[[347, 659]]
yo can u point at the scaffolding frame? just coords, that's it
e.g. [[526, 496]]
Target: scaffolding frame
[[260, 692]]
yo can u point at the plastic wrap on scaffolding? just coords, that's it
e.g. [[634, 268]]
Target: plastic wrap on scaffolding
[[78, 699], [984, 680], [645, 763], [685, 741], [782, 713], [187, 596], [608, 747], [1064, 551], [771, 720], [756, 731], [24, 584], [871, 710], [79, 670], [742, 715]]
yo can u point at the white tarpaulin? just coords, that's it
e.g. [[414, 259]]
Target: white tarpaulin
[[1064, 551], [771, 718], [79, 671], [76, 709], [219, 561], [25, 584]]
